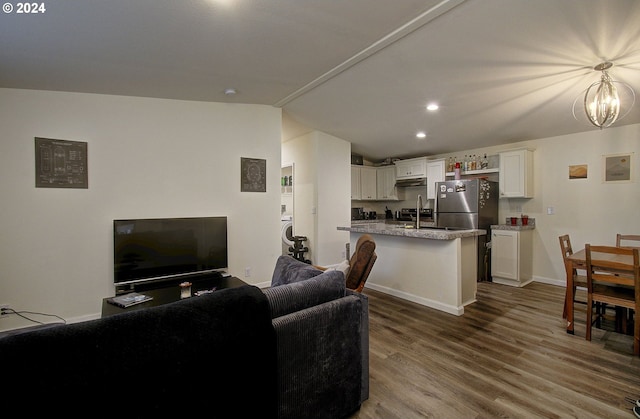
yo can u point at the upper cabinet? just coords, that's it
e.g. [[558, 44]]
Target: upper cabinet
[[435, 173], [516, 174], [386, 178], [411, 168], [356, 193], [370, 183]]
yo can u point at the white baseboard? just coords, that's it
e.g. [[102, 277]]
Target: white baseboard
[[456, 311]]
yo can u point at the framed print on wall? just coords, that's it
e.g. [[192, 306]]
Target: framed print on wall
[[253, 176], [578, 171], [61, 163], [617, 167]]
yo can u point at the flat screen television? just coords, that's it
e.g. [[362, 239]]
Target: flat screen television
[[161, 248]]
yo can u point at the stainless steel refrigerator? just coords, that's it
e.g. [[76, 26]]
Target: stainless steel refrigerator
[[469, 204]]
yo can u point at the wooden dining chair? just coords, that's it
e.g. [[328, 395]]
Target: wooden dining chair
[[623, 239], [626, 240], [579, 278], [613, 282]]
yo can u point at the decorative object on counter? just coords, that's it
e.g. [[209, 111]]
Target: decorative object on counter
[[185, 289], [522, 221]]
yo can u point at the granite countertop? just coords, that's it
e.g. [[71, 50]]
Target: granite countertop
[[512, 227], [400, 229]]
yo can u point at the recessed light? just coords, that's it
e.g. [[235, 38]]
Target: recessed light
[[230, 91], [421, 134], [432, 107]]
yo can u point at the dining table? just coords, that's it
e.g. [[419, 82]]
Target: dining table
[[578, 260]]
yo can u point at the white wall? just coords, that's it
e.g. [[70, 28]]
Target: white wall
[[333, 157], [322, 190], [146, 158]]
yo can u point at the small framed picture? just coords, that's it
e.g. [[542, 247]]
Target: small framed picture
[[578, 171], [617, 168], [253, 177]]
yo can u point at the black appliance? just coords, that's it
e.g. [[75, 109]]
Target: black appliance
[[357, 213], [163, 248]]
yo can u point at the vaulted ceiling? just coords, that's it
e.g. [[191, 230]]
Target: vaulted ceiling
[[361, 70]]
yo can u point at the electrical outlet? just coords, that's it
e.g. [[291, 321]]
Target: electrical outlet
[[2, 307], [247, 272]]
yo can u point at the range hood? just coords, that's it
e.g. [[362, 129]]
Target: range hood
[[422, 181]]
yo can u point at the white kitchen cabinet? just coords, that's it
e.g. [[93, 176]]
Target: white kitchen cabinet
[[435, 173], [368, 183], [411, 168], [386, 180], [516, 174], [356, 193], [512, 257]]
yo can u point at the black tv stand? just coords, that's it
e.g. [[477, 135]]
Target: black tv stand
[[169, 291], [194, 278]]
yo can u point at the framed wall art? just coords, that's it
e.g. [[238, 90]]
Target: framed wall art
[[617, 167], [578, 171], [253, 176], [61, 163]]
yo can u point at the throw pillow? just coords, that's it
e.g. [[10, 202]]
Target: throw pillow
[[288, 270]]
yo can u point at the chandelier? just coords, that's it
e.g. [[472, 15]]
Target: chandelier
[[602, 103]]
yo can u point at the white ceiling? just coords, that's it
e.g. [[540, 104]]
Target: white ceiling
[[362, 70]]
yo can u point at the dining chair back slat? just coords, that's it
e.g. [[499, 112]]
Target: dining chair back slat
[[622, 239], [612, 281]]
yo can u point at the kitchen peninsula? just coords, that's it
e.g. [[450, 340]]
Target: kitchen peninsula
[[433, 267]]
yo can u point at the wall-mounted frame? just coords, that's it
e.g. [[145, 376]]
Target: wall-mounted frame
[[253, 175], [61, 163], [578, 171], [617, 168]]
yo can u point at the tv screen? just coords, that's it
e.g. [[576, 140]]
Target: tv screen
[[148, 249]]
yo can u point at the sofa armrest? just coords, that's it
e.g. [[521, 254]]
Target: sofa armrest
[[289, 298], [364, 341], [320, 360]]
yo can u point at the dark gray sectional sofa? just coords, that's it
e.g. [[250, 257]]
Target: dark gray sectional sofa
[[295, 350]]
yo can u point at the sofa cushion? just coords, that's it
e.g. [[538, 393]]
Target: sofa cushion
[[285, 299], [289, 269]]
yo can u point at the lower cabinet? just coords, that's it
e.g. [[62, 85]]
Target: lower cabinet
[[512, 257]]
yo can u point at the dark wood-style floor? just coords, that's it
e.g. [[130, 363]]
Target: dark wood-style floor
[[508, 356]]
